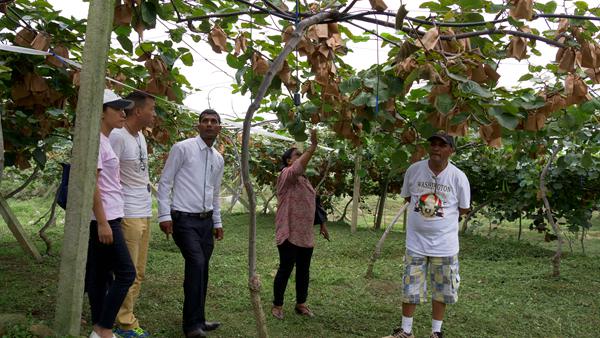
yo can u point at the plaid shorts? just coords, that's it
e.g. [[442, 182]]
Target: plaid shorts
[[443, 276]]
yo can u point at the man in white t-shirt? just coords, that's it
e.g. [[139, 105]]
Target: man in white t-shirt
[[129, 145], [438, 193]]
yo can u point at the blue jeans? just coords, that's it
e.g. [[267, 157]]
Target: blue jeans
[[109, 273], [194, 237]]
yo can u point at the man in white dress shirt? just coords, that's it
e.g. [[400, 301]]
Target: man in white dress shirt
[[189, 209]]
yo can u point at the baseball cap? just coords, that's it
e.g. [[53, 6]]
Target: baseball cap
[[115, 101], [442, 135]]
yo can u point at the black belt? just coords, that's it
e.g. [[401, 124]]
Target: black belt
[[201, 215]]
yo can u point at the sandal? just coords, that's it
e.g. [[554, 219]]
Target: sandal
[[277, 312], [303, 310]]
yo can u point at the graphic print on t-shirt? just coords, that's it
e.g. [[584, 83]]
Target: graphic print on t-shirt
[[430, 206]]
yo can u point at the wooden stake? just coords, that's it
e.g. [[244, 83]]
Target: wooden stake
[[83, 171], [15, 227], [356, 191]]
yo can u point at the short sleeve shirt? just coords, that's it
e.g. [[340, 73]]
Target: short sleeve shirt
[[432, 228], [109, 181], [295, 207]]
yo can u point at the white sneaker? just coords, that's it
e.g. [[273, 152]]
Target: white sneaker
[[95, 335]]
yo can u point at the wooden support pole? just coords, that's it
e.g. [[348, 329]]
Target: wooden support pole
[[84, 164], [356, 191], [15, 227]]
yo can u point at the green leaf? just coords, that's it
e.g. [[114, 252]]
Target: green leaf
[[470, 4], [399, 158], [125, 43], [505, 119], [39, 156], [591, 106], [361, 99], [400, 15], [457, 77], [473, 88], [374, 83], [410, 79], [515, 22], [187, 59], [148, 14], [526, 77], [55, 112], [444, 103], [350, 85], [550, 7], [586, 160], [581, 5]]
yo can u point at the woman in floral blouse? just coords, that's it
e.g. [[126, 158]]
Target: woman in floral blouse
[[294, 227]]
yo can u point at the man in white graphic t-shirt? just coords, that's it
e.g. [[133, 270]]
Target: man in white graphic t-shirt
[[129, 145], [438, 193]]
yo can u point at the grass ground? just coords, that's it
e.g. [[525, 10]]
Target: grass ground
[[506, 288]]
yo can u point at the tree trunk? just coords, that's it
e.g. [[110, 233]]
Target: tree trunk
[[1, 149], [381, 203], [555, 227], [343, 217], [583, 232], [51, 221], [27, 182], [355, 192], [379, 245], [520, 227], [69, 299], [267, 206], [253, 277], [470, 214]]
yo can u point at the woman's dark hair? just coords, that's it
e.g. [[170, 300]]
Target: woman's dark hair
[[285, 157]]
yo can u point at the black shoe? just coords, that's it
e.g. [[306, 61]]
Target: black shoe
[[210, 326], [197, 333]]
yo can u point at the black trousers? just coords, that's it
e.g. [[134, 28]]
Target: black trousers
[[290, 255], [194, 237], [105, 292]]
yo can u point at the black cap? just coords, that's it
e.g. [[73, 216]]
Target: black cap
[[442, 135]]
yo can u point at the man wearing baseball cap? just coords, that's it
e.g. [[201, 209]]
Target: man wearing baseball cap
[[438, 193]]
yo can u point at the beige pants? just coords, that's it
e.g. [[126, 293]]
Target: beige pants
[[137, 236]]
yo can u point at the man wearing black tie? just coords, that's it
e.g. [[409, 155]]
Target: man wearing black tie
[[189, 209]]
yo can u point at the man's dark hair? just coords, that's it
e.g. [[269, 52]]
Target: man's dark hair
[[139, 99], [209, 112], [285, 157]]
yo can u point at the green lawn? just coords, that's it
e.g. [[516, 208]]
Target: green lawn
[[506, 290]]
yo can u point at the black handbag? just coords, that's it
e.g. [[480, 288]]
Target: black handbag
[[320, 214]]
